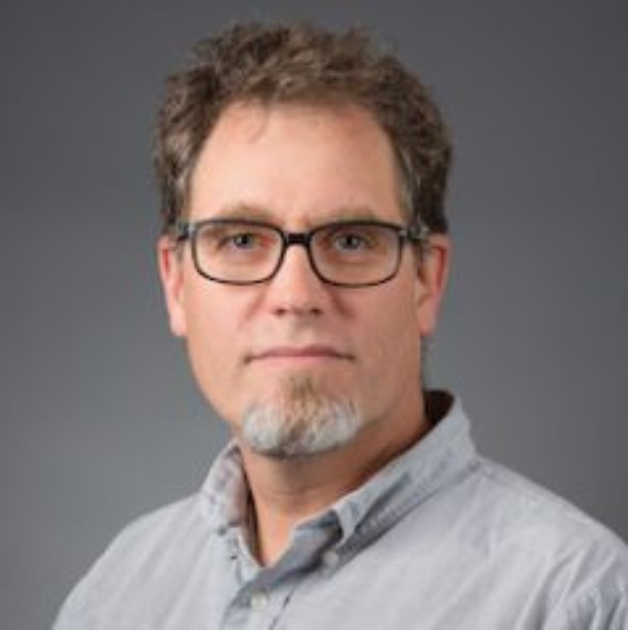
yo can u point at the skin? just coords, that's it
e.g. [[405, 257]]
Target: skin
[[298, 166]]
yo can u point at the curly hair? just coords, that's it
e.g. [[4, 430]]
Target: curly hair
[[302, 63]]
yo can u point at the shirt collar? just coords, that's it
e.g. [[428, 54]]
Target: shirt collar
[[225, 491], [443, 454]]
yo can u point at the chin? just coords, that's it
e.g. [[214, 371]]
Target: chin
[[300, 421]]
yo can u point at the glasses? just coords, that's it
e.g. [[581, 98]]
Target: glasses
[[343, 253]]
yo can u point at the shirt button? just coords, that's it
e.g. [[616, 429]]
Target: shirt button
[[330, 559], [258, 600]]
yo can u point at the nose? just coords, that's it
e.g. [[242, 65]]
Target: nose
[[296, 288]]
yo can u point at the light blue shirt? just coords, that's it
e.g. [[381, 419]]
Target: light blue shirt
[[439, 539]]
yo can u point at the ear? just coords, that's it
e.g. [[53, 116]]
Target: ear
[[432, 275], [170, 262]]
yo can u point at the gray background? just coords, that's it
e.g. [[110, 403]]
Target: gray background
[[100, 420]]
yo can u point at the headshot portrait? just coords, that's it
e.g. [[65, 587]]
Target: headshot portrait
[[315, 317]]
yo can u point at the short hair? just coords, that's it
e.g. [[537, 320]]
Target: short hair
[[270, 64]]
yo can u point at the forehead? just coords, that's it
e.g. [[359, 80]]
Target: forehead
[[295, 160]]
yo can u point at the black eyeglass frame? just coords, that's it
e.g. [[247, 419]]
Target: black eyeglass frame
[[187, 230]]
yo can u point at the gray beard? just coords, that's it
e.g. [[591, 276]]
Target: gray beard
[[300, 423]]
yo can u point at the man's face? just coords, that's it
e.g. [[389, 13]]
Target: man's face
[[295, 345]]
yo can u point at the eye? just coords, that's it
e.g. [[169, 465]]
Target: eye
[[353, 243], [241, 240], [350, 241], [237, 239]]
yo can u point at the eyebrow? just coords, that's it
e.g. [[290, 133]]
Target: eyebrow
[[252, 212]]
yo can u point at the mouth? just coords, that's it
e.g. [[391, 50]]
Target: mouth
[[300, 354]]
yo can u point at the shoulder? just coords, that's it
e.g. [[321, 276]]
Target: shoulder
[[584, 564], [519, 506], [144, 548], [153, 529], [176, 525]]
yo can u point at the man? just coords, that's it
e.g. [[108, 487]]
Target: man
[[303, 258]]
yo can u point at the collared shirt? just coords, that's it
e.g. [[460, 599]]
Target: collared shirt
[[438, 539]]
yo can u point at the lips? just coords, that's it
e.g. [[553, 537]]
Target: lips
[[314, 351]]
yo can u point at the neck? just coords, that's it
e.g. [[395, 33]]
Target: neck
[[287, 492]]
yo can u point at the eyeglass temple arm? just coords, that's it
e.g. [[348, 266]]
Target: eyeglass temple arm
[[182, 231], [417, 233]]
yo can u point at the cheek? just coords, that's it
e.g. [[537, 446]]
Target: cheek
[[404, 343], [213, 315], [218, 339], [211, 340], [393, 336]]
